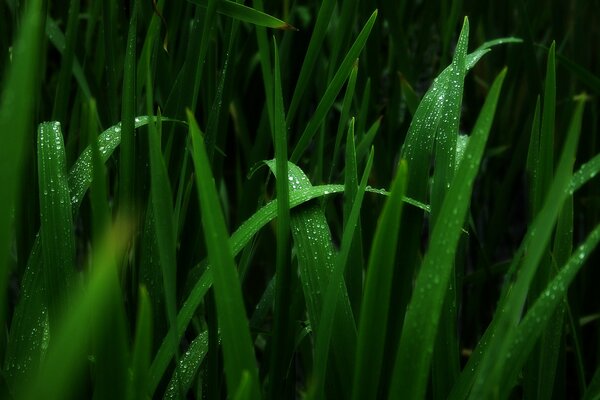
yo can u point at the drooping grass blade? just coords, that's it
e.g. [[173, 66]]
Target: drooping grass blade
[[245, 13]]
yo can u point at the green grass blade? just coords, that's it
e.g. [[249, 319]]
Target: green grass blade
[[127, 165], [365, 144], [445, 363], [333, 89], [325, 326], [310, 58], [593, 390], [543, 311], [246, 14], [142, 346], [420, 324], [17, 102], [281, 350], [69, 351], [57, 38], [237, 346], [585, 173], [489, 371], [58, 243], [354, 268], [64, 78], [376, 301]]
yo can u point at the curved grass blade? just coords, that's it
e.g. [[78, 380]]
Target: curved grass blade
[[246, 14], [237, 346], [56, 232], [376, 301], [412, 364], [489, 371], [333, 89]]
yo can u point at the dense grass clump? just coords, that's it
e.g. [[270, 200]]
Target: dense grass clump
[[299, 199]]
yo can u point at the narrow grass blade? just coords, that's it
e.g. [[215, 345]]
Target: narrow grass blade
[[363, 146], [333, 89], [376, 301], [543, 311], [315, 252], [310, 58], [489, 371], [162, 211], [17, 103], [411, 369], [585, 173], [325, 326], [354, 269], [593, 390], [127, 180], [61, 100], [237, 346], [246, 14], [69, 351], [281, 335], [142, 346], [58, 243]]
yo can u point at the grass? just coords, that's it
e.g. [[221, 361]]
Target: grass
[[224, 199]]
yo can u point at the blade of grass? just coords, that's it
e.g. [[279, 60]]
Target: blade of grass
[[237, 346], [56, 232], [142, 346], [127, 165], [280, 352], [506, 319], [325, 327], [446, 364], [68, 352], [543, 311], [310, 58], [420, 324], [333, 89], [374, 308], [245, 14], [17, 102], [187, 367]]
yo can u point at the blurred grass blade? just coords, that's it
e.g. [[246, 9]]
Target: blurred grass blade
[[17, 103], [237, 346], [333, 89], [246, 14], [593, 390], [142, 346], [489, 371], [68, 352], [412, 364], [376, 301], [585, 173], [56, 232]]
